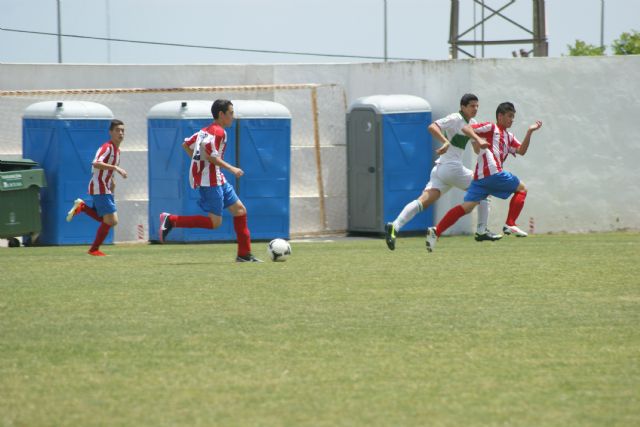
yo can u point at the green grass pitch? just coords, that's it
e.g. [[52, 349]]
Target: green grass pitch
[[542, 331]]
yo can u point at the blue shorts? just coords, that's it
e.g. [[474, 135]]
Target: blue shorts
[[214, 199], [502, 185], [104, 204]]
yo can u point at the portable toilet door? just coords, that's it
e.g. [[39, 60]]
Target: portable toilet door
[[389, 158], [63, 137], [264, 154], [168, 124]]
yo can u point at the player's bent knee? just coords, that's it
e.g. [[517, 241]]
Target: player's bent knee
[[216, 221], [238, 210], [469, 206], [110, 220], [428, 197]]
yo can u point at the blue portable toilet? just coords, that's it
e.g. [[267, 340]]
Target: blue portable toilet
[[63, 137], [389, 158], [259, 142]]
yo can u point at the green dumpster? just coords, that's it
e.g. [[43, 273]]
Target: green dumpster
[[20, 187]]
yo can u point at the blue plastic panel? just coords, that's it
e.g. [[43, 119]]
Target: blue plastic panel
[[65, 150], [265, 158], [407, 162]]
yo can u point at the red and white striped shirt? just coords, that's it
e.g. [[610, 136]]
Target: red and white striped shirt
[[202, 173], [501, 144], [101, 179]]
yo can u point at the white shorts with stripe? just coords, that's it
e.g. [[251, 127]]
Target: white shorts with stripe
[[447, 175]]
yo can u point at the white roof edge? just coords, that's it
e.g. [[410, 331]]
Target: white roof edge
[[200, 109], [259, 109], [69, 110], [385, 104], [187, 109]]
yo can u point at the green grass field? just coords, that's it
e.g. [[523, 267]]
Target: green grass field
[[542, 331]]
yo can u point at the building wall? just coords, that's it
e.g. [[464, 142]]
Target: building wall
[[581, 169]]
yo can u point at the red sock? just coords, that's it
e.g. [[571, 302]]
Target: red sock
[[91, 212], [103, 230], [515, 206], [194, 221], [242, 234], [450, 218]]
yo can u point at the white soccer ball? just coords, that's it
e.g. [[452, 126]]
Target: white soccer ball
[[279, 250]]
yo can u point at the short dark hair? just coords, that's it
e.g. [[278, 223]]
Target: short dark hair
[[505, 107], [115, 123], [220, 105], [467, 98]]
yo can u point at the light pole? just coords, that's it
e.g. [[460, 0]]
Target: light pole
[[59, 34], [602, 23], [108, 31], [385, 31]]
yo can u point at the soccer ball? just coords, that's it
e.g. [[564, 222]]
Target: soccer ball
[[279, 250]]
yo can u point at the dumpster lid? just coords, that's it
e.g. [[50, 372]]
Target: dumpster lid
[[385, 104], [69, 110], [13, 162], [198, 109]]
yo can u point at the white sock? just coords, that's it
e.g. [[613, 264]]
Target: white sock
[[412, 209], [483, 216]]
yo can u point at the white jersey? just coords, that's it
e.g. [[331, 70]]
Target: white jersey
[[451, 126]]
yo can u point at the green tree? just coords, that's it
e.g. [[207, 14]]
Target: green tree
[[581, 48], [627, 44]]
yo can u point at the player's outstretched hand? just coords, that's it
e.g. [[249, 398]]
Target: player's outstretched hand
[[237, 172], [537, 125], [122, 172]]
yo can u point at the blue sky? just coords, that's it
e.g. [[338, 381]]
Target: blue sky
[[416, 28]]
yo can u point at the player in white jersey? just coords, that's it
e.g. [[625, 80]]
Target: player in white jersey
[[448, 172], [102, 186], [490, 178]]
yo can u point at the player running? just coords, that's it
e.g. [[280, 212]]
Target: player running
[[102, 187], [489, 177], [448, 172], [206, 149]]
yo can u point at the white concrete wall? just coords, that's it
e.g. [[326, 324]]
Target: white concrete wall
[[581, 169]]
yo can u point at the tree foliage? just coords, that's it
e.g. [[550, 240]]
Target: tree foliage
[[581, 48], [627, 44]]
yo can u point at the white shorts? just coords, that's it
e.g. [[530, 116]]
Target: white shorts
[[447, 175]]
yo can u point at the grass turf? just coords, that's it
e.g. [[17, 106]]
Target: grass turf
[[539, 331]]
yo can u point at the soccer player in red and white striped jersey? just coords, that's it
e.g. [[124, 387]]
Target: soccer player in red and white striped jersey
[[206, 149], [495, 144], [102, 186]]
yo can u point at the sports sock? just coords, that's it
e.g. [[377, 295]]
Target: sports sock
[[191, 221], [242, 234], [515, 206], [101, 234], [483, 216], [412, 209], [91, 212], [450, 218]]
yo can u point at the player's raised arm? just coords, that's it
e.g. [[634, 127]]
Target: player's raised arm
[[214, 159], [435, 130], [187, 149], [522, 150], [477, 142]]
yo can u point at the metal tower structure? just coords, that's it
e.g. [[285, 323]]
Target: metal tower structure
[[538, 33]]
